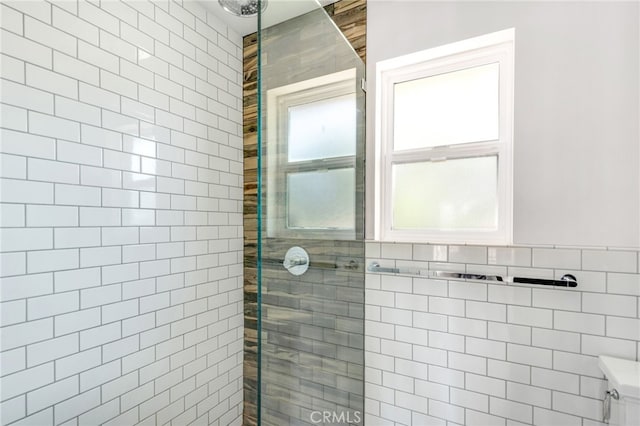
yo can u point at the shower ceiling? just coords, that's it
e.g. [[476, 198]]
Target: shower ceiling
[[277, 11]]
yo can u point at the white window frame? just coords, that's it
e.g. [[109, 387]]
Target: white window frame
[[278, 102], [491, 48]]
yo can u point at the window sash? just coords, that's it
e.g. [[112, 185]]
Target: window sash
[[343, 83], [501, 53]]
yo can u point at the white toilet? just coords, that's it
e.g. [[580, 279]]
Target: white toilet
[[622, 400]]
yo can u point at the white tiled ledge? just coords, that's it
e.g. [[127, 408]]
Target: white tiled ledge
[[585, 259]]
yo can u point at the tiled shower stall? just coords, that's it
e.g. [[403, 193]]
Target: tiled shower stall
[[121, 214]]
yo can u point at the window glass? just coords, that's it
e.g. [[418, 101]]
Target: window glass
[[322, 129], [323, 199], [446, 109], [446, 195]]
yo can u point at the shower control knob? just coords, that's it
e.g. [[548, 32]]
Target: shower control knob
[[296, 261]]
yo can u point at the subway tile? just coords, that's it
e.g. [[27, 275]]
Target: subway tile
[[446, 306], [120, 123], [24, 381], [430, 321], [24, 239], [95, 176], [556, 258], [68, 22], [623, 283], [467, 290], [12, 215], [510, 256], [40, 215], [55, 304], [94, 55], [468, 254], [552, 339], [610, 261], [78, 153], [446, 411], [52, 260], [446, 376], [486, 311], [609, 304], [13, 312], [13, 118], [25, 49], [100, 216], [101, 137], [77, 111], [59, 84], [468, 327], [486, 348], [576, 363], [597, 345], [49, 350], [12, 69], [12, 20], [99, 97], [469, 363], [579, 322], [530, 316], [554, 418], [557, 299], [76, 321], [529, 394], [51, 394], [78, 70], [509, 371], [555, 380], [100, 256], [137, 110], [577, 405], [484, 384], [76, 279], [529, 355], [511, 410], [26, 333], [512, 295], [119, 198], [53, 171], [21, 287], [446, 341], [20, 143], [623, 328]]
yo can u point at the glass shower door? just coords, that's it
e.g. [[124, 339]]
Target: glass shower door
[[311, 145]]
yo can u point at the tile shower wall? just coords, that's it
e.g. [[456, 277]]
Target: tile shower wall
[[467, 352], [121, 214]]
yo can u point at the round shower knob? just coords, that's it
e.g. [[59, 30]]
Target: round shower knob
[[296, 261]]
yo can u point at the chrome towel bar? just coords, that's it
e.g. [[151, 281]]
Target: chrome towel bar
[[566, 280]]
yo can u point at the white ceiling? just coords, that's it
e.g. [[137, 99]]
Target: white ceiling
[[277, 11]]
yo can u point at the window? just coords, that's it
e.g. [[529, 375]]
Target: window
[[311, 177], [444, 143]]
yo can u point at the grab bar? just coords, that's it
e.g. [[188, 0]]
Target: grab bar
[[566, 280]]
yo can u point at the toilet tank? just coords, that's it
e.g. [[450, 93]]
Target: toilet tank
[[623, 389]]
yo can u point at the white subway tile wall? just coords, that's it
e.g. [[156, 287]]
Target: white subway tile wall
[[484, 353], [121, 214]]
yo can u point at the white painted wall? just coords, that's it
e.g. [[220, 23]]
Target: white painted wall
[[121, 214], [577, 113]]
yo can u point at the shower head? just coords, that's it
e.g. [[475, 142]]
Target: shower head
[[242, 8]]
